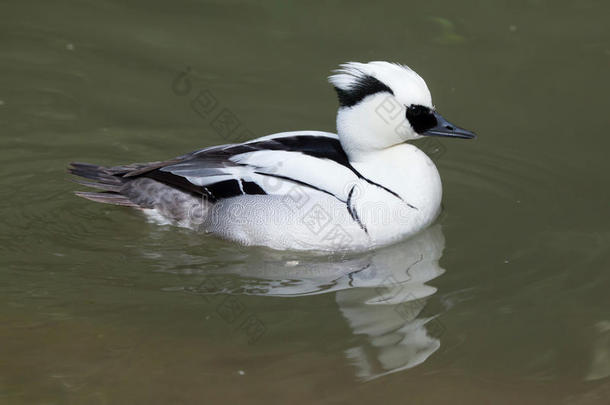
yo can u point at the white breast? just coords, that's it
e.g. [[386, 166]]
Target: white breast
[[412, 175]]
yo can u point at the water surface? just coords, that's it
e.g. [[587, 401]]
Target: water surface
[[505, 299]]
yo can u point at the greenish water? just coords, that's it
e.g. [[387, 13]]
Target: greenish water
[[504, 300]]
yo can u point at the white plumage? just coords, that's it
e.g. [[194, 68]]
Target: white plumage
[[361, 188]]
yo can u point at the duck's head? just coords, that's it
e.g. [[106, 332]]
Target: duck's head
[[383, 104]]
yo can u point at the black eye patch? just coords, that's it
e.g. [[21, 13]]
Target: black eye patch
[[421, 118]]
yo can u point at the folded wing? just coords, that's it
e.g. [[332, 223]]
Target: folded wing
[[270, 165]]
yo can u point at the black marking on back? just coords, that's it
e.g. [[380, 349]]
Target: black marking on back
[[251, 188], [352, 211], [313, 145], [362, 87], [317, 146], [225, 189], [214, 191], [175, 181]]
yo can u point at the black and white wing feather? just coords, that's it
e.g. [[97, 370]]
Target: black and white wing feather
[[267, 165]]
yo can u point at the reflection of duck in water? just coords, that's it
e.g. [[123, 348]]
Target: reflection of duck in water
[[381, 294], [389, 314]]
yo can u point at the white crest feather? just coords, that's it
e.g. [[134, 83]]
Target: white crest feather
[[403, 81]]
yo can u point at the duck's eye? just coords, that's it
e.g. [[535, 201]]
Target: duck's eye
[[421, 118], [415, 110]]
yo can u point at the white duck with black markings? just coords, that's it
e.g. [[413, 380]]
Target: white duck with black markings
[[363, 187]]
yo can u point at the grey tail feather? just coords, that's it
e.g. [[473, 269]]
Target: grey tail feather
[[108, 198], [100, 186], [107, 179], [101, 174]]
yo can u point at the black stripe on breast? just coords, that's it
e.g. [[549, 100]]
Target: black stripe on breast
[[352, 211]]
